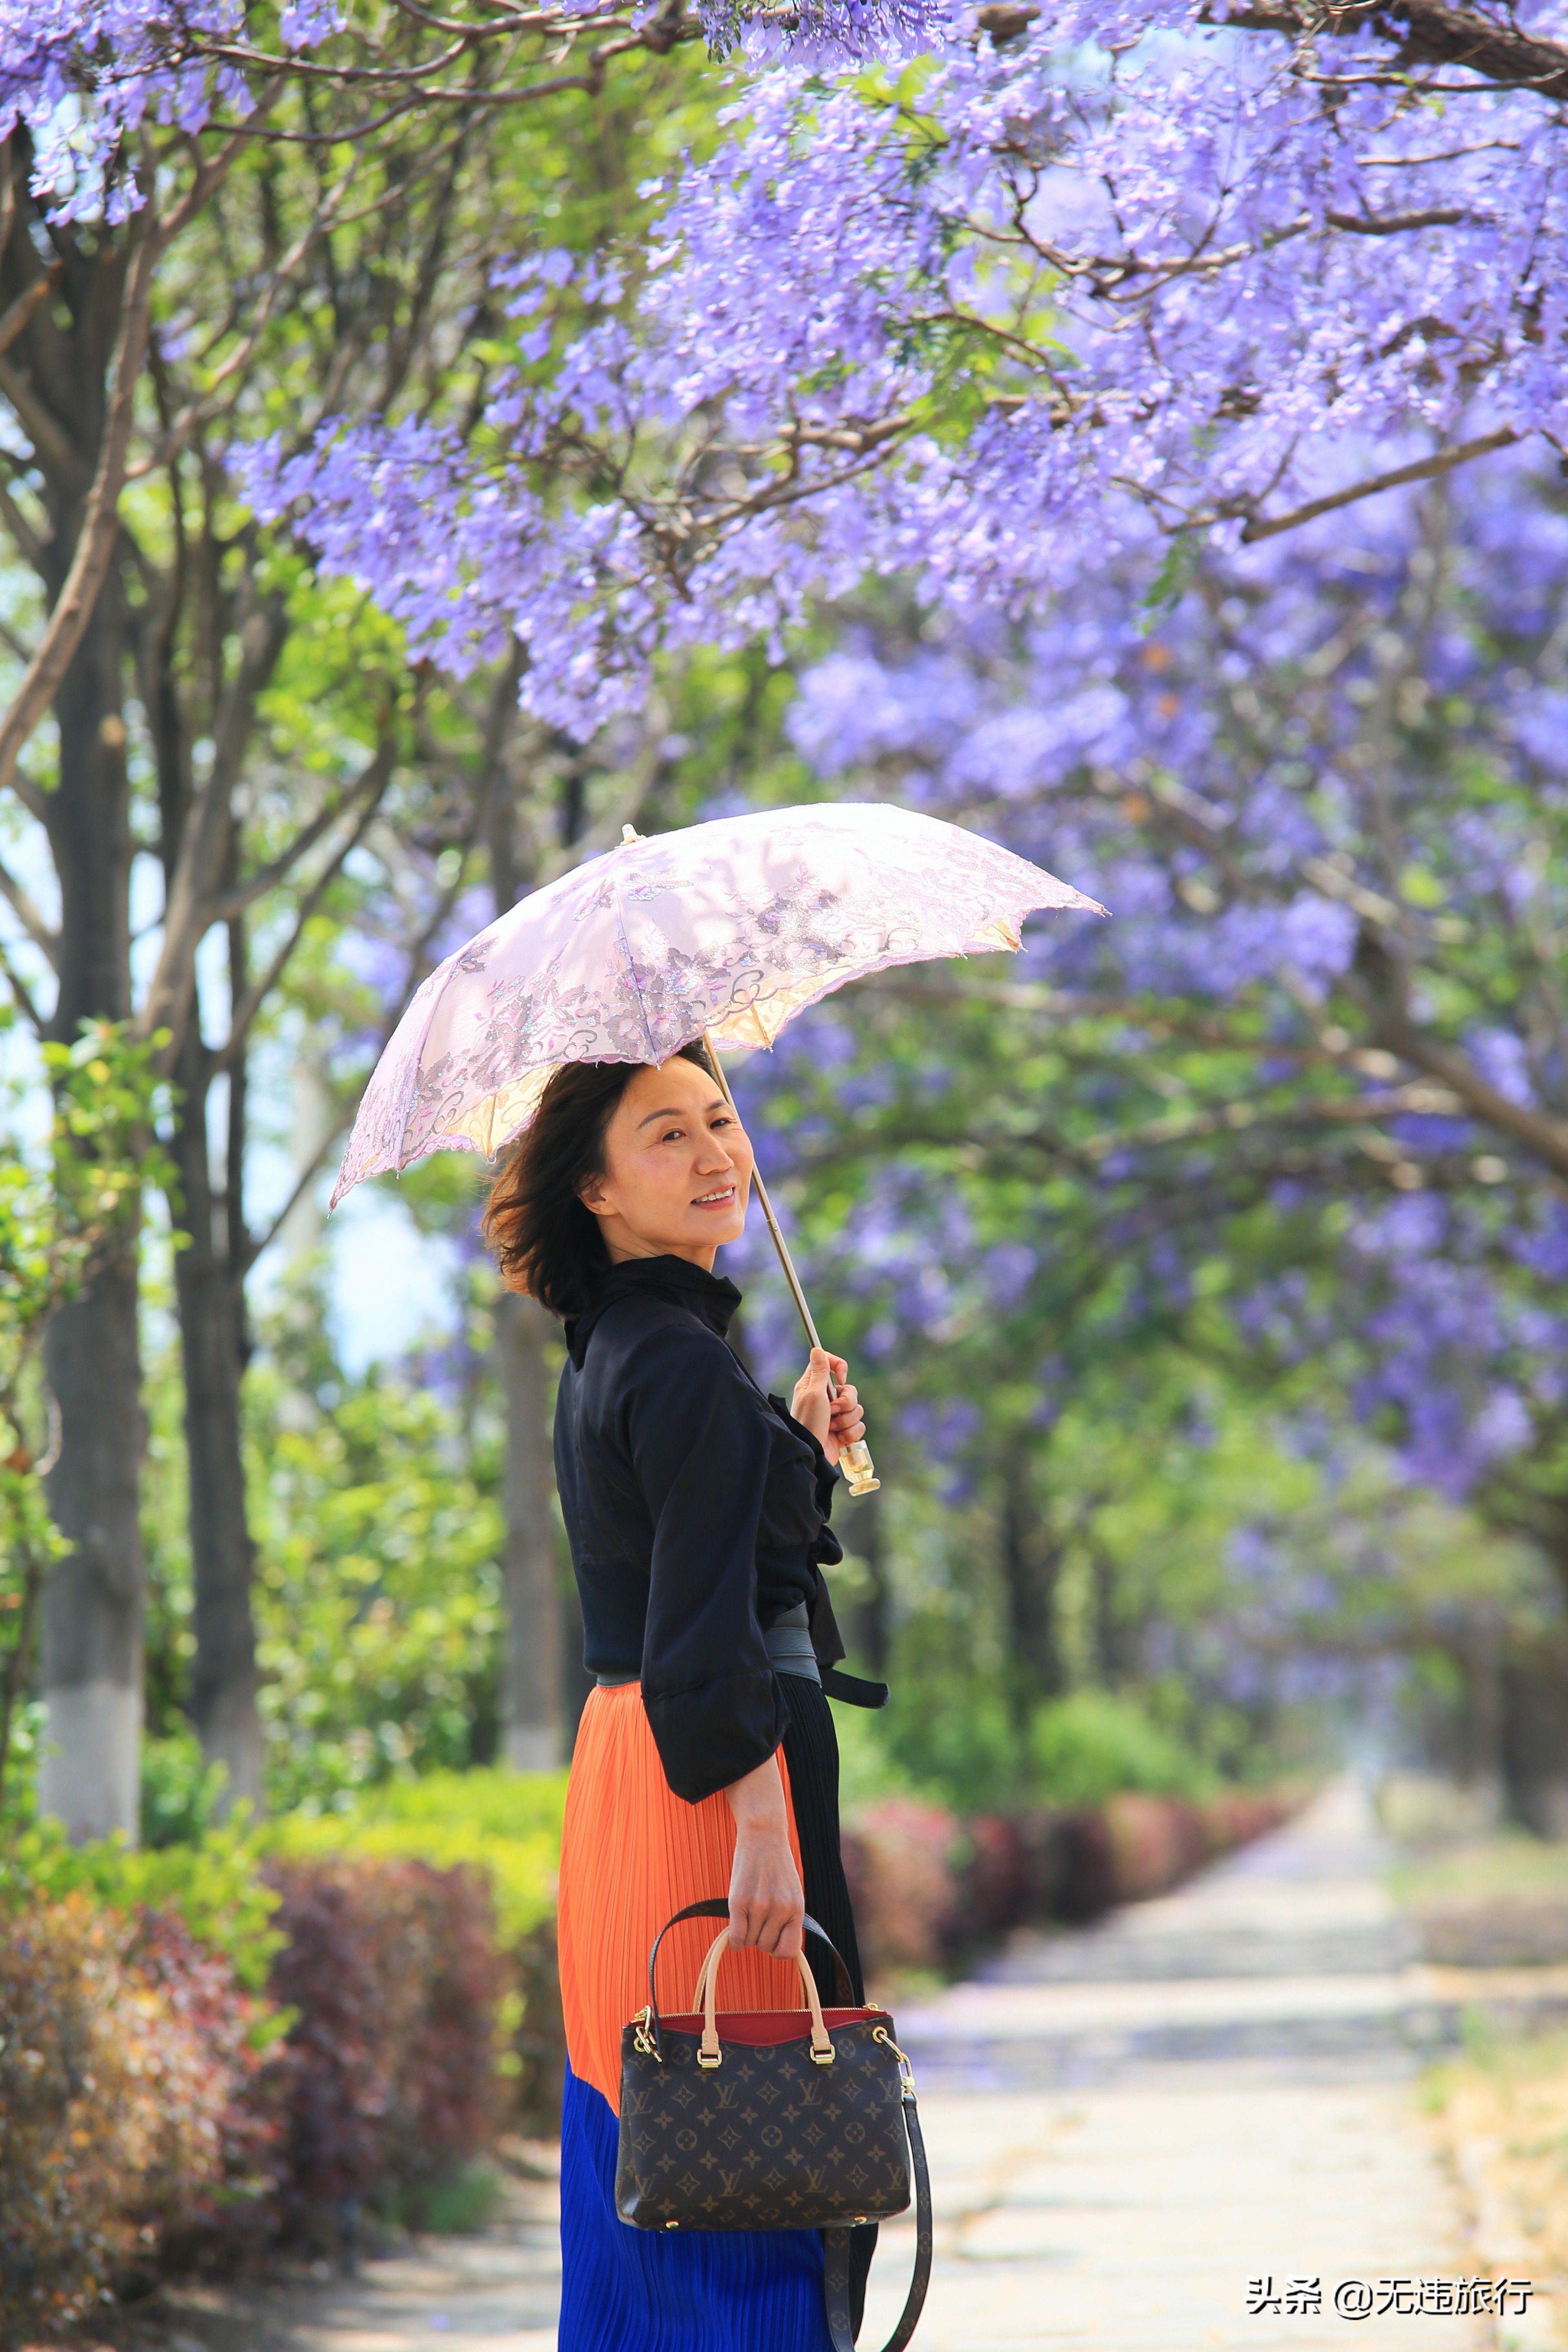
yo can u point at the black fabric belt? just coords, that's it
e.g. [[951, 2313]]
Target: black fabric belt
[[789, 1645], [852, 1690], [788, 1640]]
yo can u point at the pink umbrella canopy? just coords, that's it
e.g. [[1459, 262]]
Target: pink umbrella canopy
[[721, 931]]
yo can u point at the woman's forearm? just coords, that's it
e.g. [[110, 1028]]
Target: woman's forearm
[[766, 1903], [757, 1799]]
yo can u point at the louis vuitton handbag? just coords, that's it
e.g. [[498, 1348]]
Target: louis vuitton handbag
[[771, 2119]]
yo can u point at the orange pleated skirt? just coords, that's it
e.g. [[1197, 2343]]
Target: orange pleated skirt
[[632, 1854]]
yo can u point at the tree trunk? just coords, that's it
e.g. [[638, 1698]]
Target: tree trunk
[[544, 1682], [90, 1777], [532, 1688], [91, 1665], [1534, 1733], [1031, 1565], [211, 1307], [1110, 1646]]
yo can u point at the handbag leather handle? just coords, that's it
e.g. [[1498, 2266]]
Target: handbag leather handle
[[709, 2053], [721, 1945], [717, 1906]]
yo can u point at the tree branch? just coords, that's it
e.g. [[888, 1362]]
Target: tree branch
[[21, 991], [1236, 1118], [189, 907], [1424, 32], [372, 778], [29, 914], [200, 411], [212, 170], [100, 521], [1424, 469], [1544, 1138], [308, 1174], [9, 638], [1396, 224], [256, 995], [55, 454], [21, 530], [15, 317]]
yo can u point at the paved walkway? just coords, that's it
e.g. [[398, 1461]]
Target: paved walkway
[[1128, 2126], [1135, 2122]]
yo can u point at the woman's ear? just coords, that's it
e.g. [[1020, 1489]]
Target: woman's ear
[[593, 1198]]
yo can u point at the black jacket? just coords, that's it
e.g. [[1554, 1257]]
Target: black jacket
[[697, 1511]]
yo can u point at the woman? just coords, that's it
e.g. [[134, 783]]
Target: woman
[[697, 1511]]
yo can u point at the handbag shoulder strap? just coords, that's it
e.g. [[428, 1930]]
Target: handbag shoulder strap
[[836, 2276]]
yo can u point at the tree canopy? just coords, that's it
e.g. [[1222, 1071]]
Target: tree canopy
[[1143, 278]]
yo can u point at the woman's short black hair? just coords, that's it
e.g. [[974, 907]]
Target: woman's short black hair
[[546, 1243]]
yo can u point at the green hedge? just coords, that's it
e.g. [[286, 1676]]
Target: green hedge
[[213, 1885], [505, 1825]]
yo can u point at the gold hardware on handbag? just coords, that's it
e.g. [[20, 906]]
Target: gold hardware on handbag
[[771, 2119]]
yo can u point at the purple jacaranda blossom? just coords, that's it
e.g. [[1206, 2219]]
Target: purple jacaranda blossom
[[1456, 1355], [82, 77], [980, 370], [1545, 1250], [1541, 723], [1502, 1058], [1008, 1267]]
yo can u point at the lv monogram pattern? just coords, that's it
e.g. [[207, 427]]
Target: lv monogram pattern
[[765, 2141]]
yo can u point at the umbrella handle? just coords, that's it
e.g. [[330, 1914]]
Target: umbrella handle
[[858, 1468], [855, 1461]]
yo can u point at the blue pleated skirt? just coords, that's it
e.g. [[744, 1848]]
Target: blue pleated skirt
[[625, 2290]]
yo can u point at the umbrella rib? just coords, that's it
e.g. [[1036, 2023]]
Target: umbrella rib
[[410, 1094], [632, 971]]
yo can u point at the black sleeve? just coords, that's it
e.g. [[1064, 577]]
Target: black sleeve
[[699, 1444], [827, 1551]]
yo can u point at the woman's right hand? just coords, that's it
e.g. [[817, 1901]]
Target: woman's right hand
[[767, 1905]]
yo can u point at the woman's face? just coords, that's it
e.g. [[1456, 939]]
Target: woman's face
[[678, 1167]]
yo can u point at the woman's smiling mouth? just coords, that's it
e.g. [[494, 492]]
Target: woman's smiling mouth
[[719, 1200]]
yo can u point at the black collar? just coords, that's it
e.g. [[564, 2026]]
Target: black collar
[[712, 1297]]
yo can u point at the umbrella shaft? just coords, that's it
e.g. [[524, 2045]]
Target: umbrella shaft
[[856, 1458], [760, 1189], [790, 1275]]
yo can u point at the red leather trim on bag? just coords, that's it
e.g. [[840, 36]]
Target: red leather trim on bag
[[763, 2025]]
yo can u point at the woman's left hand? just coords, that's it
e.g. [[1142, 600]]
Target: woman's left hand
[[833, 1422]]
